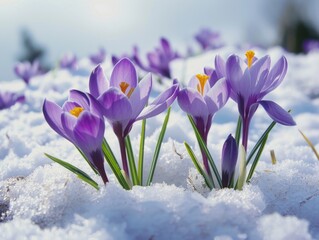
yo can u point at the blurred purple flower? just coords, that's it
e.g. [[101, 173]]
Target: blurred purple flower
[[27, 70], [229, 160], [208, 39], [250, 81], [68, 61], [202, 99], [80, 121], [98, 57], [123, 99], [159, 59], [310, 45], [8, 99], [116, 59]]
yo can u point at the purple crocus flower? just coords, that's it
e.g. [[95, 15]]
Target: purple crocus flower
[[123, 99], [68, 61], [8, 99], [98, 57], [208, 39], [250, 81], [27, 70], [310, 45], [80, 121], [202, 99], [159, 59], [229, 160]]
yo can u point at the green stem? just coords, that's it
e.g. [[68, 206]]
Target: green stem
[[141, 154]]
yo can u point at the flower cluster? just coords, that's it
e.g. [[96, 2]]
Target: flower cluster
[[123, 100], [246, 82]]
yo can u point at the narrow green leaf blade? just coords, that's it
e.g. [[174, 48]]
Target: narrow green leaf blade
[[238, 130], [260, 141], [80, 174], [204, 147], [131, 160], [208, 180], [256, 160], [158, 148]]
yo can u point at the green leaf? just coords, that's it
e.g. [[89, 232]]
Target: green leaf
[[131, 160], [310, 144], [238, 130], [208, 180], [111, 160], [141, 153], [80, 174], [256, 160], [260, 141], [242, 169], [158, 148], [204, 147]]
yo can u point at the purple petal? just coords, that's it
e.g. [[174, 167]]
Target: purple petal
[[124, 71], [140, 95], [52, 114], [277, 113], [89, 131], [68, 106], [166, 47], [191, 102], [258, 72], [234, 73], [276, 75], [68, 122], [217, 96], [116, 106], [79, 97], [208, 70], [220, 67], [98, 83], [161, 103]]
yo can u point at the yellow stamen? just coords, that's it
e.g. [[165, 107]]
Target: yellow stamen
[[76, 111], [124, 86], [202, 78], [250, 54]]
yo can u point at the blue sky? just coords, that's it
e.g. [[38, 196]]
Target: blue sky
[[82, 26]]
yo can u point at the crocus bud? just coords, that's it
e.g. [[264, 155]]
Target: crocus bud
[[229, 159]]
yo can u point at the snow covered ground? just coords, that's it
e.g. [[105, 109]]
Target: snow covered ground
[[41, 200]]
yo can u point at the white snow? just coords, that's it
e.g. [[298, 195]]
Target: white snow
[[39, 199]]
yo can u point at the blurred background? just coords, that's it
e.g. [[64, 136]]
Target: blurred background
[[45, 30]]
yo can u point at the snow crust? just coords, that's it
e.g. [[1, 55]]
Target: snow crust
[[41, 200]]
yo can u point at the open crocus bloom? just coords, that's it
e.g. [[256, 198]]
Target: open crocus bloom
[[7, 99], [202, 100], [123, 99], [80, 121], [250, 81], [27, 70]]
